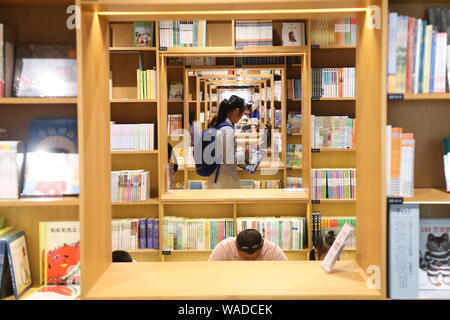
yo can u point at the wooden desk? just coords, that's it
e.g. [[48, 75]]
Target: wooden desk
[[232, 280]]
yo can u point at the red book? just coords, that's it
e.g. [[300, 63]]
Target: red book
[[410, 54]]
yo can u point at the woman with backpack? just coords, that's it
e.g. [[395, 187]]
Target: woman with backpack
[[225, 176]]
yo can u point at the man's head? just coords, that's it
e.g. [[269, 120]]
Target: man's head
[[249, 244], [121, 256]]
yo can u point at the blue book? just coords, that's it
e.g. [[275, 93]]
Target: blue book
[[142, 233], [19, 265], [403, 251], [2, 259], [53, 135], [150, 234], [156, 234], [422, 55], [433, 60]]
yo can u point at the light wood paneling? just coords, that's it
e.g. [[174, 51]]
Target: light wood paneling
[[435, 211], [271, 209], [219, 33], [95, 159], [193, 211]]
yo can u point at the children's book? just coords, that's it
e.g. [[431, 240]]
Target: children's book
[[15, 258], [143, 34], [176, 90], [59, 247]]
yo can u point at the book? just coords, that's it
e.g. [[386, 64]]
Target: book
[[186, 33], [294, 123], [334, 31], [434, 258], [59, 252], [293, 33], [55, 292], [45, 71], [332, 132], [143, 34], [403, 251], [253, 33], [7, 52], [132, 137], [336, 248], [130, 185], [16, 252], [333, 83], [333, 184], [446, 151], [9, 170], [176, 90], [52, 160]]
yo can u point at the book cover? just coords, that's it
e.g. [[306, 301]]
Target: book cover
[[59, 247], [403, 249], [176, 90], [52, 161], [434, 256], [446, 151], [291, 34], [45, 71], [336, 248], [18, 261], [143, 33], [55, 292]]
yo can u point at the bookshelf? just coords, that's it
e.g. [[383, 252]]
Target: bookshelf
[[95, 108]]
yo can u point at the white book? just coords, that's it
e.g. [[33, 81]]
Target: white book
[[407, 166]]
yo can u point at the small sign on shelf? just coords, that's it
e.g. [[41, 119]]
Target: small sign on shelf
[[395, 96], [166, 252]]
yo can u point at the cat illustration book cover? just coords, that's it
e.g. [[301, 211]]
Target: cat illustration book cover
[[434, 254], [59, 252]]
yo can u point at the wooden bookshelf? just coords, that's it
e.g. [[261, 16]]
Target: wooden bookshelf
[[136, 203], [140, 152], [429, 196], [427, 96], [41, 202], [132, 49], [124, 100], [38, 100]]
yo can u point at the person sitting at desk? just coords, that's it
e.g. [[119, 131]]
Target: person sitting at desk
[[248, 245]]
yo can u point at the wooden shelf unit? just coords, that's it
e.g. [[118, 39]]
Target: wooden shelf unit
[[96, 57]]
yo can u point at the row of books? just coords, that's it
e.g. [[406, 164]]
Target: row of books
[[294, 183], [186, 33], [133, 234], [182, 233], [399, 162], [276, 91], [253, 33], [288, 233], [293, 155], [294, 123], [132, 137], [333, 132], [418, 250], [146, 84], [446, 149], [333, 183], [259, 184], [322, 224], [9, 170], [200, 61], [333, 83], [294, 88], [248, 61], [334, 31], [418, 56], [130, 185], [174, 123]]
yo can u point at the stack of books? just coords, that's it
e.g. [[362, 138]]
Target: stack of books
[[9, 170], [333, 183], [248, 61], [253, 33], [294, 89], [133, 234], [183, 34], [321, 225], [294, 183], [132, 137], [399, 163], [200, 61], [334, 31], [333, 132], [333, 83], [182, 233], [146, 84], [417, 54], [197, 184], [288, 233], [174, 123], [446, 149], [259, 184], [130, 185], [293, 155], [294, 123]]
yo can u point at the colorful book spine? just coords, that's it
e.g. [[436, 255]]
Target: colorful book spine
[[333, 184], [333, 83], [334, 32], [130, 185], [333, 132], [132, 137]]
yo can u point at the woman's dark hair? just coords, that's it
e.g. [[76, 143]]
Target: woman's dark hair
[[121, 256], [191, 116], [322, 245], [226, 106]]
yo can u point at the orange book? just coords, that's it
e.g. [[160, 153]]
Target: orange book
[[395, 156]]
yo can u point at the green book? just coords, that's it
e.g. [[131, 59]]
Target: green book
[[5, 230], [144, 84], [143, 34]]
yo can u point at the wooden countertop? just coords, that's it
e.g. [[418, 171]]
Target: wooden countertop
[[232, 280]]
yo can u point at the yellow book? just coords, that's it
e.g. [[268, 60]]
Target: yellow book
[[149, 84], [138, 81], [5, 230]]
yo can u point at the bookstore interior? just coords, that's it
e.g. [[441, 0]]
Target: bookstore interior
[[150, 132]]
